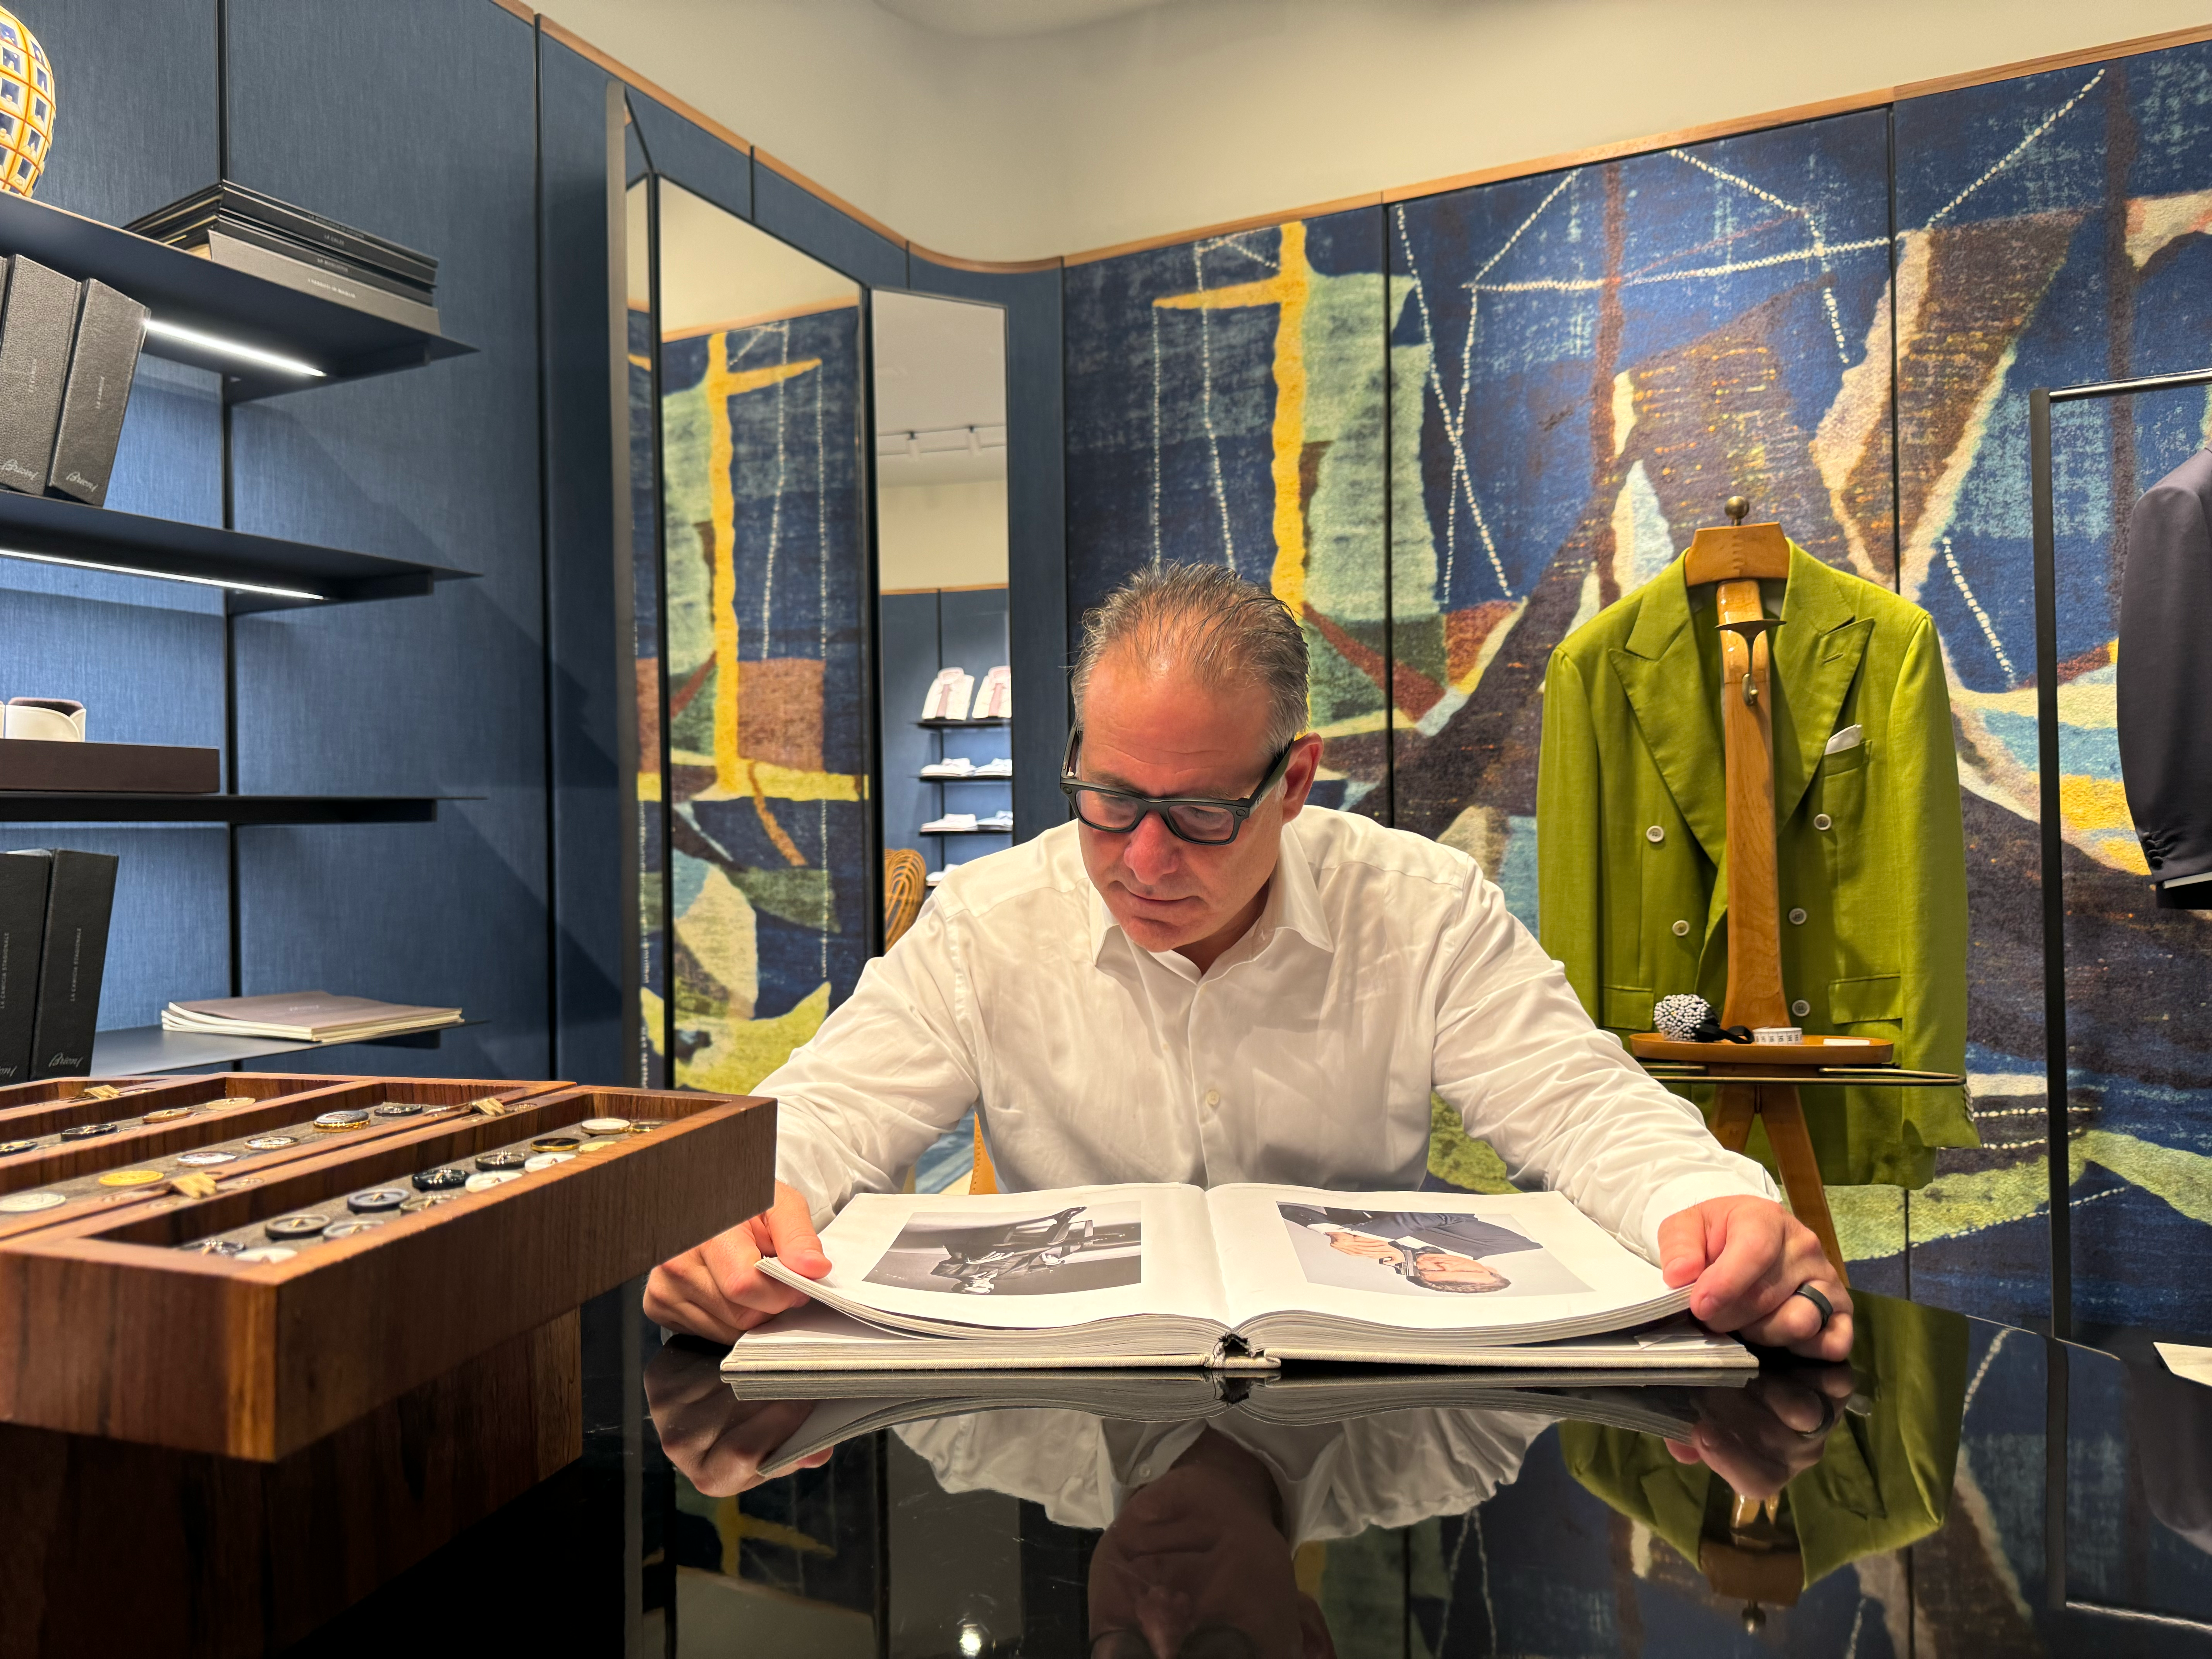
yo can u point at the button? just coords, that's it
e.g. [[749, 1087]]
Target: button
[[295, 1226], [441, 1180], [1800, 1008], [399, 1109], [88, 1131], [598, 1146], [205, 1160], [1796, 918], [1213, 1097], [10, 1148], [547, 1160], [215, 1246], [1681, 930], [232, 1100], [376, 1199], [508, 1158], [423, 1201], [271, 1143], [491, 1178], [1822, 821], [168, 1114], [351, 1118], [603, 1125], [1654, 835], [131, 1177], [644, 1126], [556, 1143], [24, 1203], [352, 1224], [267, 1253]]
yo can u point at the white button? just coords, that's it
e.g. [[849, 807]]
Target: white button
[[1797, 918], [1681, 930], [1213, 1097], [1800, 1008], [1654, 835], [1822, 821]]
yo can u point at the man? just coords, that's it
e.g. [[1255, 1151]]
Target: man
[[1203, 980], [1435, 1251]]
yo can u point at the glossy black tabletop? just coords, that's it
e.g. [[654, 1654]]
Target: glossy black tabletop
[[1962, 1488]]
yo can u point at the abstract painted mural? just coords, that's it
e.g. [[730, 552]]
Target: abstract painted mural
[[765, 761], [1226, 404], [2051, 231], [652, 1062], [1567, 376]]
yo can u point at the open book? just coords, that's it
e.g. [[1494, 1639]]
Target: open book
[[1239, 1276]]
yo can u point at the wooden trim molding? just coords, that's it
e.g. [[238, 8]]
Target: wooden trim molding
[[517, 8], [1591, 156]]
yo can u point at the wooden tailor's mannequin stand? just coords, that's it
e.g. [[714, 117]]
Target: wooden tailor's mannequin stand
[[1738, 557]]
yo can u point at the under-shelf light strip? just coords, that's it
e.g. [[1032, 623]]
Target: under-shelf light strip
[[221, 347], [163, 576]]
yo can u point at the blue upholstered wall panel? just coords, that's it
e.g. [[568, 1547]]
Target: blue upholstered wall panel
[[693, 157], [443, 693], [587, 696], [811, 224]]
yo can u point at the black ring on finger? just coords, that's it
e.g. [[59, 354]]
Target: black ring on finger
[[1811, 1292], [1828, 1415]]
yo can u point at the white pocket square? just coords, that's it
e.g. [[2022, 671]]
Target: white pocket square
[[1850, 737]]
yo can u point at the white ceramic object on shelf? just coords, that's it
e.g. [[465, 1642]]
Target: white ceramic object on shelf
[[44, 720]]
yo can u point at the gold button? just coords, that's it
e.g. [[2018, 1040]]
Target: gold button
[[1681, 930], [1800, 1008], [1654, 835], [1797, 918], [1822, 821]]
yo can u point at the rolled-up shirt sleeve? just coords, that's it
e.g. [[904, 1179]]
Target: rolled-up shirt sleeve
[[888, 1073], [1559, 1100]]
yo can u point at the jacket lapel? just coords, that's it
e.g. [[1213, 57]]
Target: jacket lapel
[[1665, 683], [1816, 656]]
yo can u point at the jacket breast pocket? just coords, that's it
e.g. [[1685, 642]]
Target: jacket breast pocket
[[1876, 997], [1627, 1008], [1863, 895]]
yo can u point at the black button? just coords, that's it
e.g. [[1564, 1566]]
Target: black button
[[88, 1131], [441, 1180], [508, 1158], [376, 1199], [399, 1109], [295, 1226], [556, 1143]]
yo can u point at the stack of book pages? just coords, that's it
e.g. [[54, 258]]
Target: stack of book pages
[[1241, 1276], [304, 1017], [248, 231]]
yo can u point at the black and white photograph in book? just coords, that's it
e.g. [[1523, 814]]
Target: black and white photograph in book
[[1084, 1247], [1421, 1253]]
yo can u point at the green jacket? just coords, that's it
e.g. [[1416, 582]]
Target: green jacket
[[1631, 842]]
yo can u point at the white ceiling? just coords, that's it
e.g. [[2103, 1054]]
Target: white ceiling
[[940, 390], [1007, 18]]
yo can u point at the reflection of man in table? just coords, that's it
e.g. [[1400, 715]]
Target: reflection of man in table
[[1436, 1251], [980, 1257]]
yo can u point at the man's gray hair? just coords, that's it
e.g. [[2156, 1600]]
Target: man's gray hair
[[1206, 620]]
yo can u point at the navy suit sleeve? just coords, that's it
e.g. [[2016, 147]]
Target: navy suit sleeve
[[2166, 674]]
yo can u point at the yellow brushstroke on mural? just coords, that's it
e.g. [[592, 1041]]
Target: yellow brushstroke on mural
[[722, 384], [1287, 288], [776, 782], [738, 1054]]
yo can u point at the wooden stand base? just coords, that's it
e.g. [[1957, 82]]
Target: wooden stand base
[[122, 1548]]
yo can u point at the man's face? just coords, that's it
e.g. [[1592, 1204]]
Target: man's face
[[1443, 1267], [1162, 734]]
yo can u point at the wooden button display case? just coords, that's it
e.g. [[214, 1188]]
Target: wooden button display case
[[108, 1327]]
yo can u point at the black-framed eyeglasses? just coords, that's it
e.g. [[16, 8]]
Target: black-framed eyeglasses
[[1199, 819]]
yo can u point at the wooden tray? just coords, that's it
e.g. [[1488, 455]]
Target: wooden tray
[[107, 1328], [1814, 1051]]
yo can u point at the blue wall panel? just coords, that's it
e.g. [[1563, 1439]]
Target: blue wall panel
[[811, 225], [694, 158], [443, 693]]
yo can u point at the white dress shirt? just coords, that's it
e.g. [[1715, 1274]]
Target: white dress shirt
[[1384, 965]]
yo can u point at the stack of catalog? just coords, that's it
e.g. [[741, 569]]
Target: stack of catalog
[[247, 231], [304, 1017], [1239, 1277]]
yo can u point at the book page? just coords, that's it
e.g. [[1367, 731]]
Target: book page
[[1423, 1261], [1022, 1261]]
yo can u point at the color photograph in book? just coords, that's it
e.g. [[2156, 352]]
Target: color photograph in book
[[1078, 1247], [1422, 1253]]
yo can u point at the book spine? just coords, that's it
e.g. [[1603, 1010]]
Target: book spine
[[291, 247], [37, 321], [22, 925], [111, 327], [313, 226], [79, 903], [309, 279]]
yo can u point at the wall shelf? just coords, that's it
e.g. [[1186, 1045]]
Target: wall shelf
[[980, 829], [46, 806], [188, 292], [136, 544], [967, 726], [145, 1050]]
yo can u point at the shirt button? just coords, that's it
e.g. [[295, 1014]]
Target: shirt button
[[1822, 821], [1801, 1008], [1681, 930], [1796, 918], [1213, 1097], [1654, 835]]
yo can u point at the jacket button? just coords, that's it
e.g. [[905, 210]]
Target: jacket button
[[1796, 918], [1801, 1008], [1654, 835], [1681, 930], [1822, 821]]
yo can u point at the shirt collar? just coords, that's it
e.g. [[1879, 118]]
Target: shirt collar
[[1293, 904]]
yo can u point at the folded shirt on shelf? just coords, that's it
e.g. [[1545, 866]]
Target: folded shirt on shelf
[[962, 768], [951, 825], [997, 820], [1001, 768]]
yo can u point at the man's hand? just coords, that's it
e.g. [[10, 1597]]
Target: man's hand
[[717, 1441], [1746, 1257], [1761, 1437], [718, 1291]]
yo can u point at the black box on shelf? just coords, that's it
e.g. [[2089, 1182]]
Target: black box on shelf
[[80, 900], [110, 328], [37, 321], [23, 925]]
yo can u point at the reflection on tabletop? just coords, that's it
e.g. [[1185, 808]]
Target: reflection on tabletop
[[1204, 1512]]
